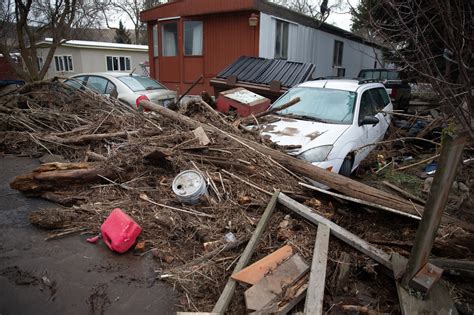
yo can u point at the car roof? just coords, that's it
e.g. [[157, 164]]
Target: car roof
[[114, 74], [339, 84]]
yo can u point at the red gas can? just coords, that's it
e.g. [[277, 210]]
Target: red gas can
[[119, 231]]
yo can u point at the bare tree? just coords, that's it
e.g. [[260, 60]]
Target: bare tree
[[25, 22], [434, 40], [319, 10], [129, 10]]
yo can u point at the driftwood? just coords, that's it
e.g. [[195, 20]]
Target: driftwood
[[335, 181], [52, 175]]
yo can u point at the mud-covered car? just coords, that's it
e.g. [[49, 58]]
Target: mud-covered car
[[128, 88], [334, 124]]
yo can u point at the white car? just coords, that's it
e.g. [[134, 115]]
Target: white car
[[126, 87], [334, 123]]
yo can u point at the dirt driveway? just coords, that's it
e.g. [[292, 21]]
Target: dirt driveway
[[69, 275]]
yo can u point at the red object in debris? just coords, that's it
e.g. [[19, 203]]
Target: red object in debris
[[243, 101], [119, 231], [94, 239]]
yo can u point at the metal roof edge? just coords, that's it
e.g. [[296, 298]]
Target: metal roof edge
[[90, 45]]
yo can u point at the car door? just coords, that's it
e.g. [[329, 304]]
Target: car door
[[382, 107], [100, 85], [368, 133]]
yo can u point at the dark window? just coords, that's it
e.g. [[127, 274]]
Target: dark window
[[341, 72], [378, 99], [169, 39], [109, 64], [338, 51], [366, 106], [63, 63], [281, 40], [118, 63], [193, 38]]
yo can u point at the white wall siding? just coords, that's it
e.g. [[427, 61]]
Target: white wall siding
[[92, 59], [307, 44]]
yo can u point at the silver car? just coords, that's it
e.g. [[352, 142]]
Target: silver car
[[126, 87]]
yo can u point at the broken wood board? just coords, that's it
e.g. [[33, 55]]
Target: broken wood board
[[341, 274], [228, 292], [201, 135], [292, 296], [256, 271], [344, 235], [317, 278], [438, 300], [274, 285]]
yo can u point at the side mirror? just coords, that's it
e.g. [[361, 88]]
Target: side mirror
[[369, 120]]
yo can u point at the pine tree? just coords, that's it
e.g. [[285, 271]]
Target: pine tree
[[122, 35]]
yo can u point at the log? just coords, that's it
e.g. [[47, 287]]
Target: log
[[335, 181], [51, 175]]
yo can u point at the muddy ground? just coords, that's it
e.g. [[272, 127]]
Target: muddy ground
[[67, 275]]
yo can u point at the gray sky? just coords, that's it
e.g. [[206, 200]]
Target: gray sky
[[342, 19]]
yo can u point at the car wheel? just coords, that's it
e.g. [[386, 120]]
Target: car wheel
[[346, 167]]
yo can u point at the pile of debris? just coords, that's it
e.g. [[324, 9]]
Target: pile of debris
[[105, 155]]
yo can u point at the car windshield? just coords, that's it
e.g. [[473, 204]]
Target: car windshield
[[140, 83], [318, 104]]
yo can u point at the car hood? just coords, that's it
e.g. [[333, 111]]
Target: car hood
[[307, 134]]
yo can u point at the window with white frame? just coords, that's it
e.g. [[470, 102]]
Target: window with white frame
[[118, 63], [63, 64], [193, 38], [337, 55], [281, 39]]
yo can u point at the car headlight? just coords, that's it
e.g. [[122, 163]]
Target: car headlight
[[317, 154]]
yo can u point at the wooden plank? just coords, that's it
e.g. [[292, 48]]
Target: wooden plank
[[437, 301], [344, 235], [450, 157], [228, 292], [317, 278], [273, 285], [256, 271], [362, 202], [404, 192]]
